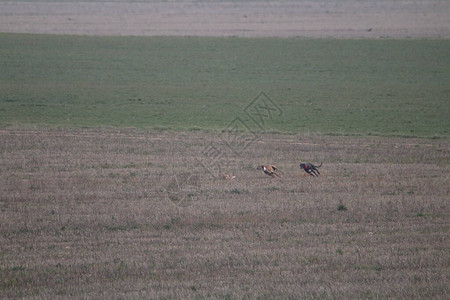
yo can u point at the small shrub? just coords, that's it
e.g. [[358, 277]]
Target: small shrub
[[242, 213], [421, 215], [130, 165], [235, 191], [342, 207]]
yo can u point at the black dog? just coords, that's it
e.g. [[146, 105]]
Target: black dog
[[311, 169]]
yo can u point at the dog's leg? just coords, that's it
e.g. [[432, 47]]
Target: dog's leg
[[314, 171], [310, 172]]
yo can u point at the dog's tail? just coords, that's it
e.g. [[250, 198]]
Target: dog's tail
[[319, 165]]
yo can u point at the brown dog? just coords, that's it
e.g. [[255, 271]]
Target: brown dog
[[270, 170]]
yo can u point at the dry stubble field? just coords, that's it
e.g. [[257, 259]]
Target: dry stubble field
[[97, 213]]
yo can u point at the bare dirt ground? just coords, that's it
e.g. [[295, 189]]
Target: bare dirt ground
[[335, 19]]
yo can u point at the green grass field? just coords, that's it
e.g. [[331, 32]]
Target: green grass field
[[354, 87], [93, 210]]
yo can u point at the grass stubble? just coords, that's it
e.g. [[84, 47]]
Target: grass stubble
[[85, 213]]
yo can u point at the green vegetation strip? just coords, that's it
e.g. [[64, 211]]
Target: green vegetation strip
[[355, 87]]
